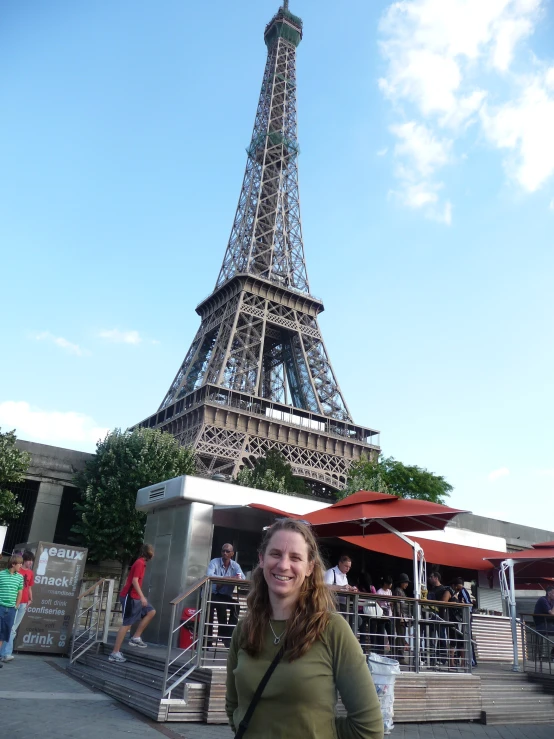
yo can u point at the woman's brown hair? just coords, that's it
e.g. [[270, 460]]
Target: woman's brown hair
[[311, 616]]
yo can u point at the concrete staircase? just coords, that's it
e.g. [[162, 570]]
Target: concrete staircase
[[138, 683], [493, 694], [514, 697]]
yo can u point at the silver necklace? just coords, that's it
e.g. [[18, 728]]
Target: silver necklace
[[277, 638]]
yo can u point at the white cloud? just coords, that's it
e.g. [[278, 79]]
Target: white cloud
[[524, 126], [419, 153], [444, 60], [424, 151], [121, 337], [551, 206], [64, 344], [59, 428], [497, 474], [382, 152]]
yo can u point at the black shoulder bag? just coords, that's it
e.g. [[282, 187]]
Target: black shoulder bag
[[243, 726]]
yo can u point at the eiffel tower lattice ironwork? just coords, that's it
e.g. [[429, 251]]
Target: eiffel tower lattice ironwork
[[257, 375]]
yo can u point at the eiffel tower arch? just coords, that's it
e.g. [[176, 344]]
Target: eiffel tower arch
[[257, 375]]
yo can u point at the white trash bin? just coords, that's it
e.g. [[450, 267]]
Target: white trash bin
[[384, 671]]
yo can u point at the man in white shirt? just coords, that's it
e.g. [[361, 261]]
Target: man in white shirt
[[336, 576]]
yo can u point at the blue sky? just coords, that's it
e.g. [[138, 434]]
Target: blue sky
[[427, 187]]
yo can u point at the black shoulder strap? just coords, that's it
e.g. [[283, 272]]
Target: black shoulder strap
[[334, 576], [258, 694]]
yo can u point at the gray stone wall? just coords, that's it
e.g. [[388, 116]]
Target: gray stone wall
[[517, 536], [55, 468]]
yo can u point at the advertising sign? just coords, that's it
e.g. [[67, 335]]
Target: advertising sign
[[48, 621]]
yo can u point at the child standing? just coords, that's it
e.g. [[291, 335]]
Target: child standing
[[11, 589], [26, 599]]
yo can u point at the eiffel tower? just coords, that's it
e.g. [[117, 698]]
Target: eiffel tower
[[257, 376]]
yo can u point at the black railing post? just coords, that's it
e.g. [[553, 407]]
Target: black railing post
[[466, 611], [523, 643], [355, 617], [417, 639]]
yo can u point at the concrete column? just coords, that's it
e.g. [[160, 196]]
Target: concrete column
[[47, 507]]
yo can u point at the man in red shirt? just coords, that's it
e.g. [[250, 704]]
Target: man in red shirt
[[26, 599], [136, 609]]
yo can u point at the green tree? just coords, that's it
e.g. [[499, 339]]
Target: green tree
[[388, 475], [125, 461], [272, 473], [13, 467]]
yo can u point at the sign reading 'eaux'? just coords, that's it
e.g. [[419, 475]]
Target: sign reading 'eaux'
[[48, 621]]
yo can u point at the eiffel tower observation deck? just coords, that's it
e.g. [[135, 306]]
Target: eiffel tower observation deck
[[257, 376]]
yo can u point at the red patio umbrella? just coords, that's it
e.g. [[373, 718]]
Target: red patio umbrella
[[532, 563], [368, 513], [440, 552]]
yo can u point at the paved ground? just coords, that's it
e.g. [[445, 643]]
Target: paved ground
[[56, 705]]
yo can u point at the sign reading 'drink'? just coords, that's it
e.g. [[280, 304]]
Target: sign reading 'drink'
[[48, 621]]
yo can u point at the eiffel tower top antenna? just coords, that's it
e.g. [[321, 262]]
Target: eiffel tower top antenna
[[286, 5], [266, 237]]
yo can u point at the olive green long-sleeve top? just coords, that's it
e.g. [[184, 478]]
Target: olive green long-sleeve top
[[300, 698]]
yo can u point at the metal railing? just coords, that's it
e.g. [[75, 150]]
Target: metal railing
[[92, 621], [423, 635], [538, 644], [208, 620]]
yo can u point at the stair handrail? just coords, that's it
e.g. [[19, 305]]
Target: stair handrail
[[180, 598], [540, 643], [193, 653], [92, 587], [82, 641]]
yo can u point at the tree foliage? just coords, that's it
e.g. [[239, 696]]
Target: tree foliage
[[272, 473], [388, 475], [125, 461], [13, 467]]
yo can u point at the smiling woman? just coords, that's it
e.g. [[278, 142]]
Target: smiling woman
[[292, 652]]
